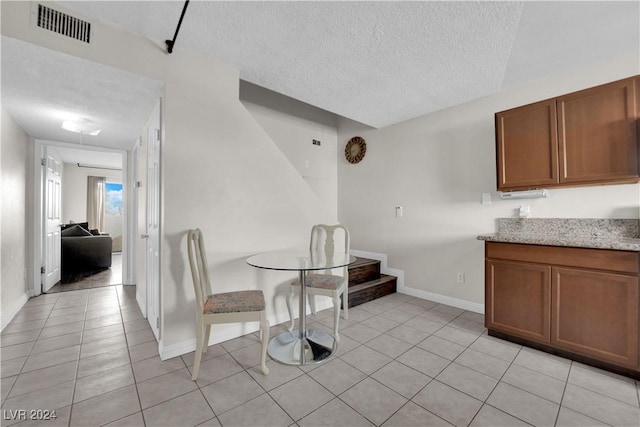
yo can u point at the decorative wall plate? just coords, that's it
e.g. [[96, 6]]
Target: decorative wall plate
[[355, 149]]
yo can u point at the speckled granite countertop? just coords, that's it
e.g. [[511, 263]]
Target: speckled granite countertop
[[618, 234]]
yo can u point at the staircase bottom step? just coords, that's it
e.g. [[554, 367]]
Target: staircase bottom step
[[374, 289]]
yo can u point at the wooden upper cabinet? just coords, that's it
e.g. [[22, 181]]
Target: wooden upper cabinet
[[583, 138], [597, 134], [527, 146]]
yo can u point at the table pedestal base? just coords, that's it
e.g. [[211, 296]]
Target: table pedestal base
[[288, 348]]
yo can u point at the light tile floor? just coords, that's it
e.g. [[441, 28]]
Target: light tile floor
[[402, 361], [110, 276]]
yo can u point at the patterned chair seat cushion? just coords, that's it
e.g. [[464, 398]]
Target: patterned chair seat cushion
[[233, 302], [324, 281]]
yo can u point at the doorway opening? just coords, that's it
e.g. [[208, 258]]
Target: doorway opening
[[90, 223]]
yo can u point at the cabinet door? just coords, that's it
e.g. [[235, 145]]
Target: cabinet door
[[637, 85], [517, 299], [597, 134], [596, 314], [527, 146]]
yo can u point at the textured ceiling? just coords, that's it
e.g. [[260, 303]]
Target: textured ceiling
[[374, 62], [42, 88], [384, 62]]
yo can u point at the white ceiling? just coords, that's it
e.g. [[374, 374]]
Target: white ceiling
[[384, 62], [374, 62], [41, 88], [91, 158]]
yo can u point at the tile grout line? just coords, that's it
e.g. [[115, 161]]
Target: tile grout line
[[387, 308], [387, 363], [452, 361], [434, 378], [133, 374], [75, 380], [496, 386], [26, 358], [246, 370], [564, 390], [397, 361], [382, 333], [215, 414]]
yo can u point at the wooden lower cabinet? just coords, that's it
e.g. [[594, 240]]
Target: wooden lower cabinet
[[563, 305], [596, 314], [519, 299]]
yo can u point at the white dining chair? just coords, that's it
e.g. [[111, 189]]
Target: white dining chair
[[228, 307], [322, 241]]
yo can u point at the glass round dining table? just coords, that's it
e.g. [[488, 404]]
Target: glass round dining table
[[301, 346]]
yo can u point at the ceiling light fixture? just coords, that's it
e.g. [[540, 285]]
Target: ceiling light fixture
[[82, 126]]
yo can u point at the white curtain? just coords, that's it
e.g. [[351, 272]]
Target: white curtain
[[95, 201]]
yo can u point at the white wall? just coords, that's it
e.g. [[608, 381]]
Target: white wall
[[293, 126], [220, 171], [74, 190], [14, 219], [223, 173], [436, 167]]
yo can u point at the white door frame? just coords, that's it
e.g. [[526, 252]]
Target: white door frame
[[137, 184], [153, 221], [52, 204], [38, 217]]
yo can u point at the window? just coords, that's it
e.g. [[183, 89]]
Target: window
[[113, 213]]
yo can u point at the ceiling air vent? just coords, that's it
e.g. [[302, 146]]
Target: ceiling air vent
[[61, 23]]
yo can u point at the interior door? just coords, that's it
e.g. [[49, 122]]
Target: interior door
[[52, 202], [153, 224]]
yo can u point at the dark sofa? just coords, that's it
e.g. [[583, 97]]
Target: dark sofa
[[84, 253]]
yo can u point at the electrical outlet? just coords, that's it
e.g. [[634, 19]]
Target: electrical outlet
[[460, 277]]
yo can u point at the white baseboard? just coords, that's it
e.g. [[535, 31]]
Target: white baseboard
[[8, 317], [142, 304], [175, 350], [384, 268], [237, 330], [443, 299], [232, 331], [402, 289]]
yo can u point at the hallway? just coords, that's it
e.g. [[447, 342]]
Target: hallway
[[110, 277]]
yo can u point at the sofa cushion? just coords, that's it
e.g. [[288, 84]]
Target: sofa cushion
[[84, 225], [76, 230], [82, 255]]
